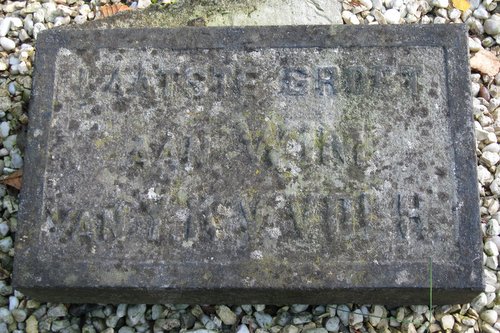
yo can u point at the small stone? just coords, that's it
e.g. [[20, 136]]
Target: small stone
[[343, 313], [376, 315], [489, 316], [492, 228], [6, 316], [440, 3], [5, 26], [392, 16], [4, 129], [141, 4], [454, 14], [227, 316], [242, 329], [112, 321], [263, 319], [475, 87], [6, 244], [32, 325], [485, 62], [350, 18], [13, 303], [479, 302], [481, 13], [59, 310], [290, 329], [474, 45], [298, 308], [302, 318], [126, 329], [447, 322], [486, 328], [7, 44], [135, 313], [490, 158], [355, 317], [490, 248], [492, 25], [259, 307], [58, 325], [121, 310], [4, 229], [333, 324]]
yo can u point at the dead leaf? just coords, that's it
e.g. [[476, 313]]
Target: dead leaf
[[108, 10], [463, 5], [485, 62], [15, 179]]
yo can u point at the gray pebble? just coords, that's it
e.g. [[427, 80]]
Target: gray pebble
[[343, 313], [121, 310], [157, 311], [4, 229], [59, 310], [4, 129], [263, 319], [242, 329], [298, 308], [333, 324], [19, 315], [112, 320], [6, 316], [135, 313], [10, 141], [302, 318], [6, 244], [126, 329], [283, 318]]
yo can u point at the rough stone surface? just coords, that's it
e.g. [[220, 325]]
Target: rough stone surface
[[250, 165]]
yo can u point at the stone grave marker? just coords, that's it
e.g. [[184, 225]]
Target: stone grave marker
[[307, 164]]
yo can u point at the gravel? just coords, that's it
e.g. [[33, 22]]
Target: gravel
[[20, 24]]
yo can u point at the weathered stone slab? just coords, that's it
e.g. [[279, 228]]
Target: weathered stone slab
[[276, 165]]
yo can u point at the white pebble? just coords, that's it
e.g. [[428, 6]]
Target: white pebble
[[479, 302], [483, 175], [4, 229], [392, 16], [5, 26], [492, 228], [439, 20], [490, 158], [493, 147], [489, 316], [440, 3], [7, 44], [481, 13], [16, 23], [13, 303], [447, 322], [490, 248], [492, 262], [4, 129], [454, 13]]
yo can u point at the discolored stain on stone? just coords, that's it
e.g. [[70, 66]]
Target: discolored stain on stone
[[299, 165]]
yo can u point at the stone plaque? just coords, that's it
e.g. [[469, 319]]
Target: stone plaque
[[238, 165]]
